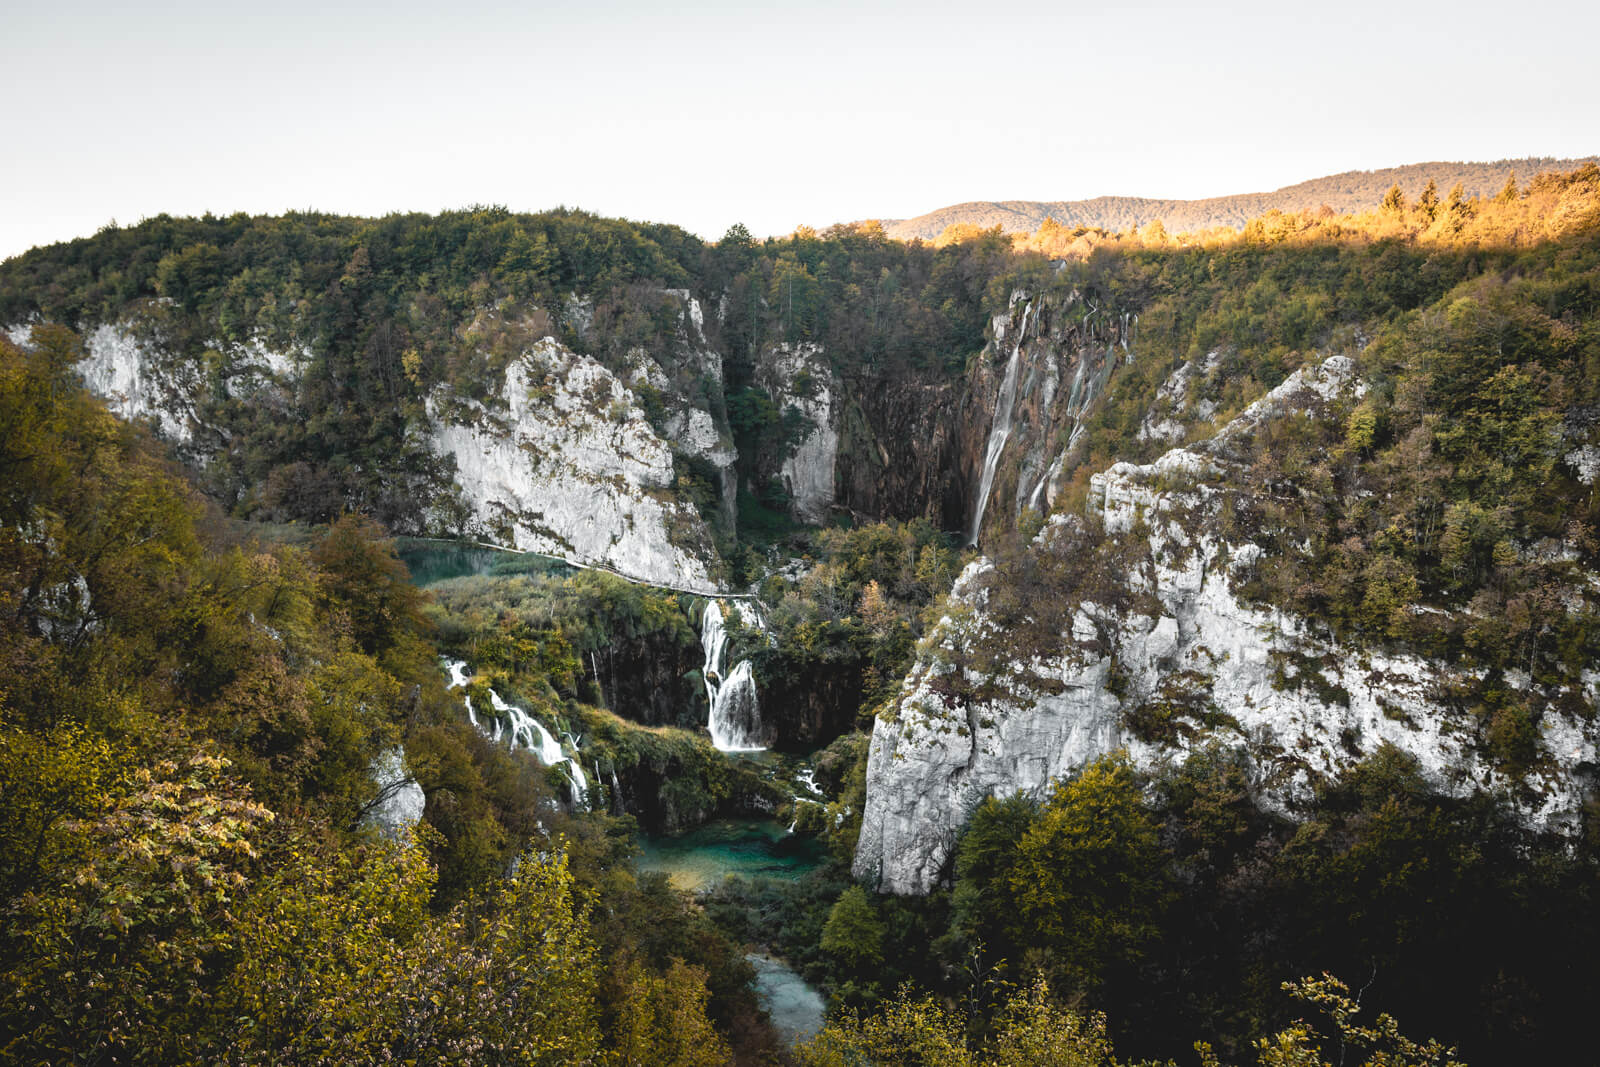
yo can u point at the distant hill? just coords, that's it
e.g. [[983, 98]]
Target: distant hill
[[1354, 190]]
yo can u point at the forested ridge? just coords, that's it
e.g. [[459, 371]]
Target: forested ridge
[[1348, 193], [192, 702]]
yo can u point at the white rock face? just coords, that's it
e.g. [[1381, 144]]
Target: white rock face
[[571, 467], [1037, 382], [132, 380], [808, 472], [255, 359], [1303, 705], [1165, 419], [400, 801], [693, 430], [138, 380], [1585, 462]]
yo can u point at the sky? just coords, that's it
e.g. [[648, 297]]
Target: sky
[[772, 115]]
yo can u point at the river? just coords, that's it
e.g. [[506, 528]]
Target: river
[[751, 848]]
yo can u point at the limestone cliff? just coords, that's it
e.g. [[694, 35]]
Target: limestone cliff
[[1134, 634], [964, 451], [900, 449], [133, 367], [799, 379], [1027, 397], [567, 464], [560, 459]]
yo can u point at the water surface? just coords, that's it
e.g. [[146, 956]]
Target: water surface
[[752, 848], [795, 1008], [439, 561]]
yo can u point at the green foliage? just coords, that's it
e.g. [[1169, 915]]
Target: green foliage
[[1035, 1030], [919, 1032], [986, 858], [163, 695], [1088, 884], [1179, 908], [906, 1033], [342, 963], [127, 902], [1378, 1045], [844, 633], [663, 1020], [362, 575], [853, 932]]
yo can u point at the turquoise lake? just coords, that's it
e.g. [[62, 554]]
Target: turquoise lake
[[440, 561], [752, 848]]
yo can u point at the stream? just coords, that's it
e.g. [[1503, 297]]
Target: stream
[[796, 1009], [751, 848]]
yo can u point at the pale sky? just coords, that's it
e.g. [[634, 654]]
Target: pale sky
[[709, 113]]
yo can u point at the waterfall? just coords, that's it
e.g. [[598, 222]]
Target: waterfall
[[580, 783], [525, 732], [1001, 429], [735, 721]]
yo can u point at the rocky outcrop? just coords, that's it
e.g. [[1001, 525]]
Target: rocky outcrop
[[1027, 399], [400, 802], [568, 465], [696, 423], [1156, 653], [129, 366], [917, 444], [900, 450], [563, 461], [651, 678], [808, 704], [799, 379], [673, 792], [137, 383]]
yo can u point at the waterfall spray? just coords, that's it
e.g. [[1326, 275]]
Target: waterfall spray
[[735, 721], [523, 731]]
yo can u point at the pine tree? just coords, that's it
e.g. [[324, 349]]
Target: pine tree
[[1428, 203]]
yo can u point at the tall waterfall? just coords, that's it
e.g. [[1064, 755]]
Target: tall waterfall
[[1004, 402], [735, 712], [523, 731]]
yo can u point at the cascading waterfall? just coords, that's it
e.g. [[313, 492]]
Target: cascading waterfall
[[1083, 393], [735, 712], [1001, 429], [524, 731], [806, 779]]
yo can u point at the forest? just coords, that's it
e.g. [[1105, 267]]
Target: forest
[[201, 664], [1349, 193]]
